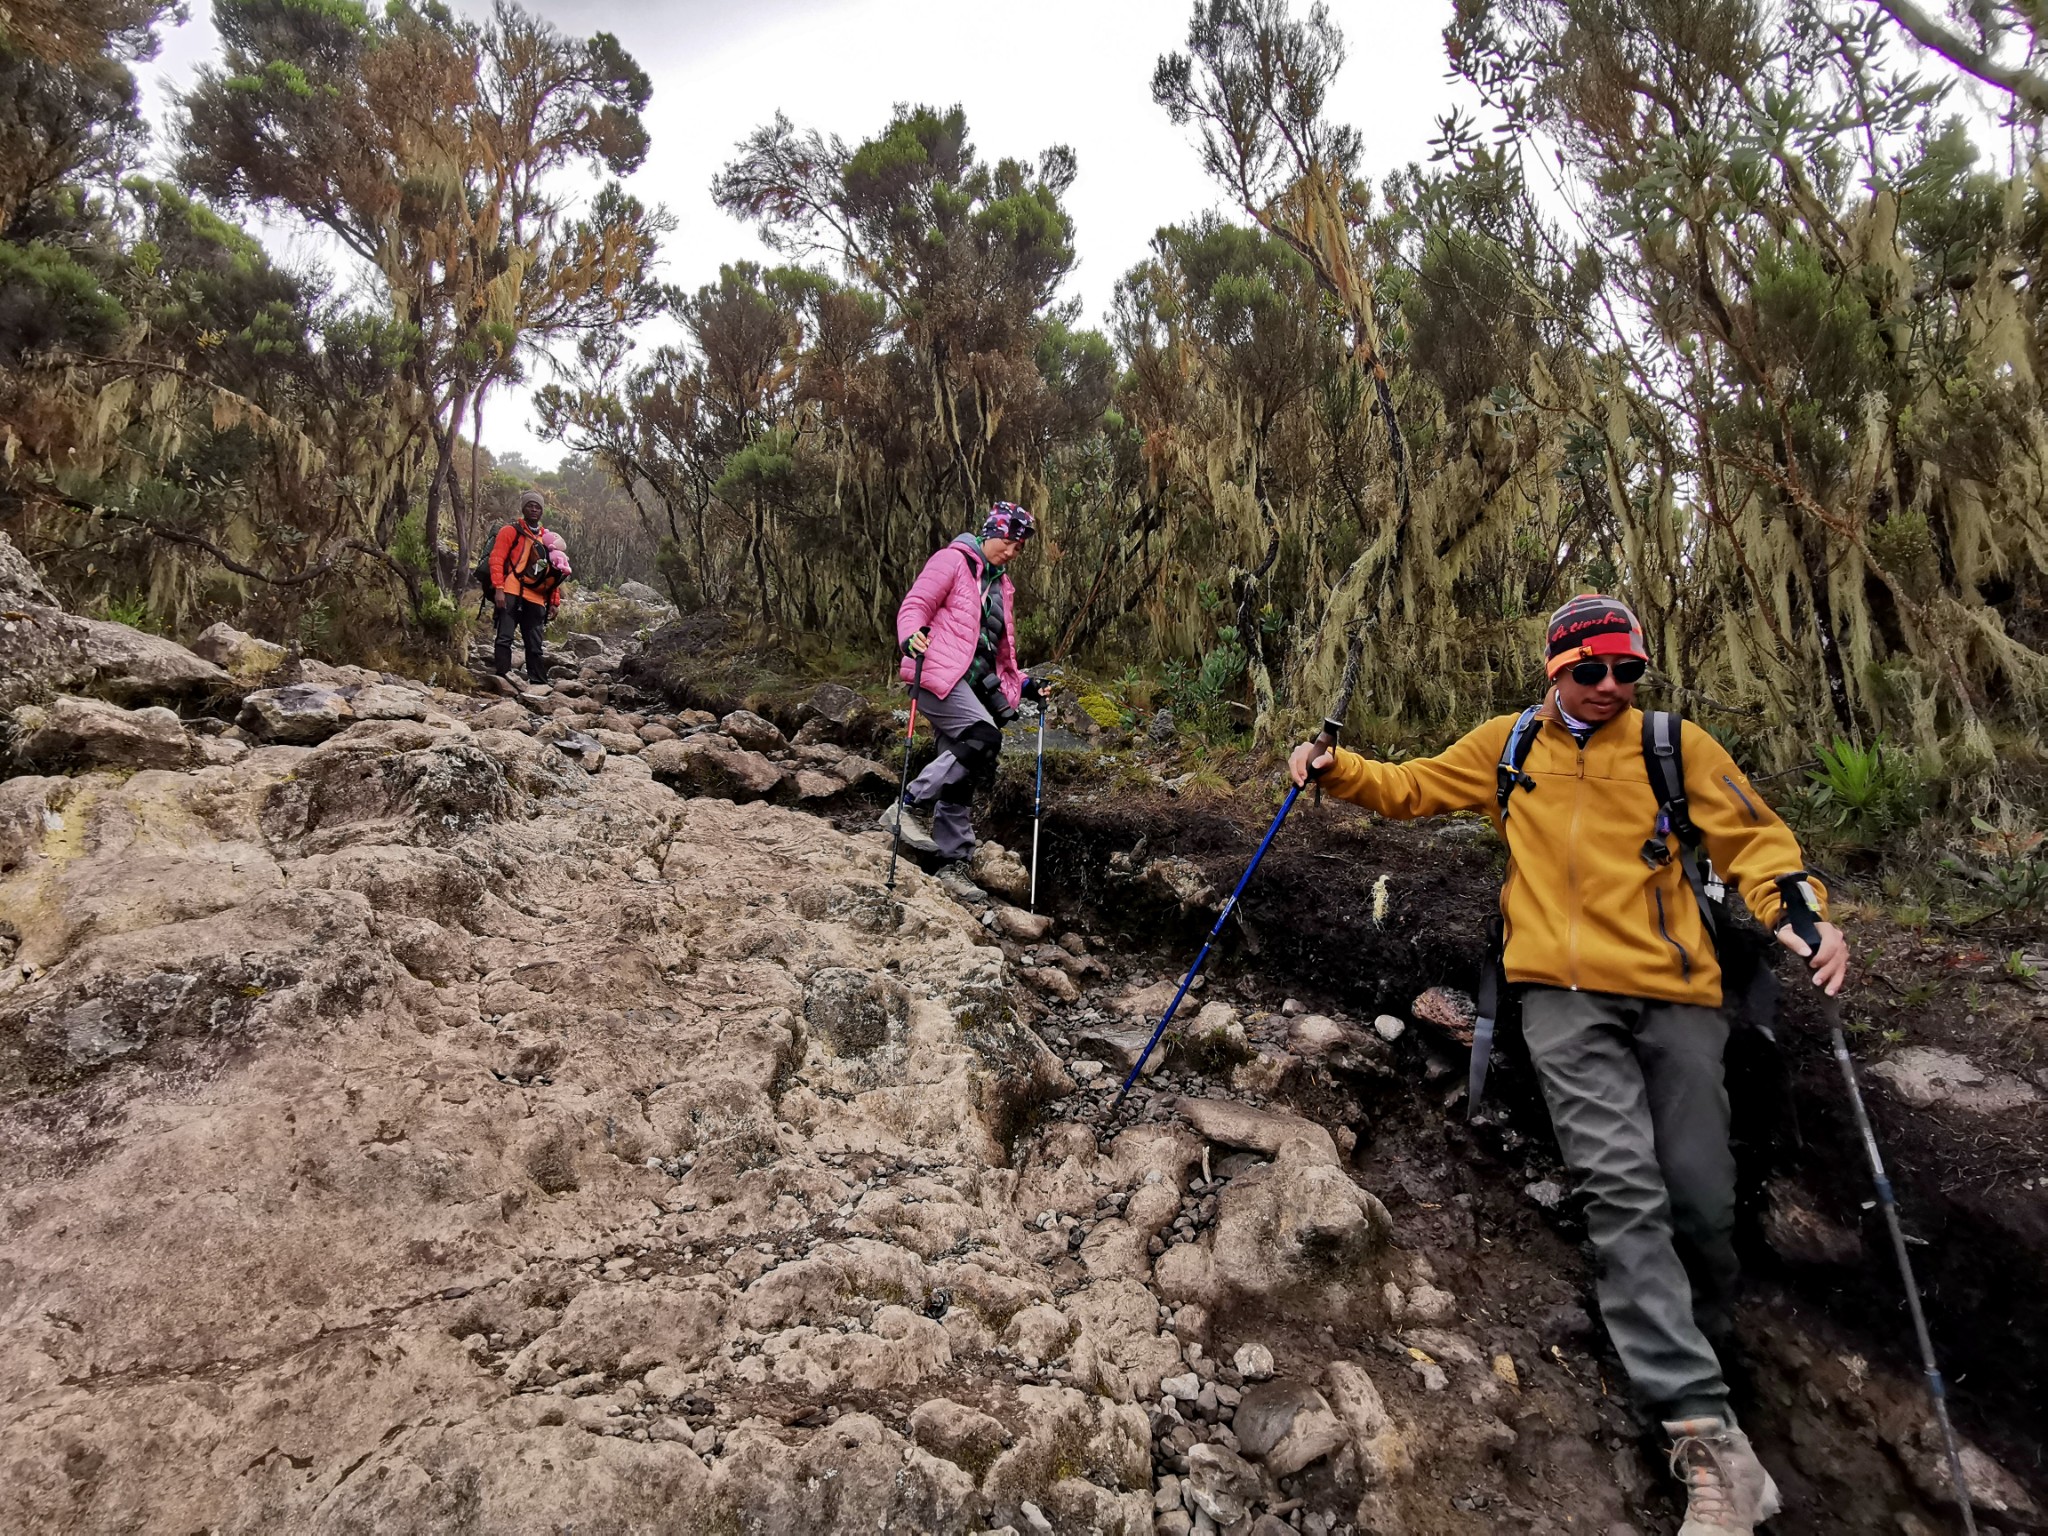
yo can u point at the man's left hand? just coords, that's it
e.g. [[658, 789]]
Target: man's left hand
[[1831, 966]]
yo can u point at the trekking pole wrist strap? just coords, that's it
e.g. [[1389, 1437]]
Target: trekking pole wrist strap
[[1799, 915]]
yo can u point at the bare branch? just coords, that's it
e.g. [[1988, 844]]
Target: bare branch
[[2023, 84]]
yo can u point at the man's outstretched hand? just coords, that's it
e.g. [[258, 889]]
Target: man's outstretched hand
[[1309, 758], [1830, 967]]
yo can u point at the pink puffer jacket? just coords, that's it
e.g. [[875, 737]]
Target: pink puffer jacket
[[947, 597]]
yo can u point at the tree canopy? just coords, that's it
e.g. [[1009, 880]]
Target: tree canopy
[[1728, 306]]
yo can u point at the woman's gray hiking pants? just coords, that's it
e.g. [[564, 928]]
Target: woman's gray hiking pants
[[1637, 1098], [949, 777]]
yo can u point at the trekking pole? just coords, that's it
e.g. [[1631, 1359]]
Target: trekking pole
[[1799, 913], [1326, 741], [1037, 802], [909, 740], [1293, 794]]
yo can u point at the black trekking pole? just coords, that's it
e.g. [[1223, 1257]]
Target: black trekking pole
[[1325, 742], [909, 740], [1799, 913]]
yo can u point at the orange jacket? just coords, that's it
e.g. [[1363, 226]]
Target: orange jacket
[[509, 551], [1582, 908]]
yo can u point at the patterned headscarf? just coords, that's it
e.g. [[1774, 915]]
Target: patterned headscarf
[[1007, 520]]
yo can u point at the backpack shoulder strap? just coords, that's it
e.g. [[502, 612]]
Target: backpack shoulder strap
[[1508, 776], [1664, 757]]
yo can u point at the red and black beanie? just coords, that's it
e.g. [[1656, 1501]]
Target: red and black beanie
[[1592, 626]]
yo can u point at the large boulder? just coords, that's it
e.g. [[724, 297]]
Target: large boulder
[[90, 733], [20, 587], [993, 867], [833, 703], [1293, 1234], [387, 701], [44, 650], [640, 592], [710, 765], [244, 657], [301, 715]]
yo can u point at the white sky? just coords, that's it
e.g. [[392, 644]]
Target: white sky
[[1029, 72]]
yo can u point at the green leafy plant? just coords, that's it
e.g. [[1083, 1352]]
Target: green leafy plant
[[1867, 794], [132, 611], [2010, 863]]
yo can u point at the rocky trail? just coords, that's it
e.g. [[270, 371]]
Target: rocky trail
[[443, 1112]]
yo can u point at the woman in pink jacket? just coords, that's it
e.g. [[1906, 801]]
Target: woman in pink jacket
[[961, 618]]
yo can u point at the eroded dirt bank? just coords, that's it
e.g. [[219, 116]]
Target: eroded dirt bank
[[1967, 1161]]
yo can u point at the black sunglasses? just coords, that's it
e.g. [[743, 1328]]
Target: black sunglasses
[[1587, 674]]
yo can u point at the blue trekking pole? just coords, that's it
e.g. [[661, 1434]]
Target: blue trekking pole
[[1325, 742], [1230, 906]]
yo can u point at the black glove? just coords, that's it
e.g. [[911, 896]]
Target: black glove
[[920, 638], [1033, 692]]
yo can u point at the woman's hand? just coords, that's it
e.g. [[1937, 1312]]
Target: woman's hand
[[917, 643], [1309, 759], [1830, 966]]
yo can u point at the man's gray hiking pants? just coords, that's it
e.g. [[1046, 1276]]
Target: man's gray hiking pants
[[1637, 1098], [952, 769]]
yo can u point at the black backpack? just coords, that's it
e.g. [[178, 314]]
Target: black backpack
[[537, 573], [1749, 988]]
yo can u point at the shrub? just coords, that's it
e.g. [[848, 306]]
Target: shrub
[[1867, 794]]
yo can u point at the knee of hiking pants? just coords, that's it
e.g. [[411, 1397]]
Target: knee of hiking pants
[[976, 749]]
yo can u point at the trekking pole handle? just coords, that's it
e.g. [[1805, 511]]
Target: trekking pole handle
[[1799, 914], [1326, 741]]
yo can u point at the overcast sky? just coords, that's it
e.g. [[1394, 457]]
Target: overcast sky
[[1029, 72]]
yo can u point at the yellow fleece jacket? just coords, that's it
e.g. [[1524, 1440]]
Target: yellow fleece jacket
[[1582, 908]]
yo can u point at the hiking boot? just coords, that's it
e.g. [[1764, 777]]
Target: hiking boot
[[1727, 1489], [958, 884], [917, 832]]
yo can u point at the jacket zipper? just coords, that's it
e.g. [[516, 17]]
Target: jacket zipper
[[1725, 779], [1684, 956], [1571, 873]]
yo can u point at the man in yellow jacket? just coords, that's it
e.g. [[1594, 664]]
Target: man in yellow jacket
[[1621, 1006]]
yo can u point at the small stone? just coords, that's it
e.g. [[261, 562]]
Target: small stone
[[1224, 1484], [1547, 1193], [1389, 1028], [1024, 927], [1186, 1388], [1449, 1010], [1254, 1362], [1168, 1496], [1292, 1008], [753, 732], [1427, 1304]]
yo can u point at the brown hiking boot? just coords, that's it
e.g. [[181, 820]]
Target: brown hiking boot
[[1727, 1489]]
